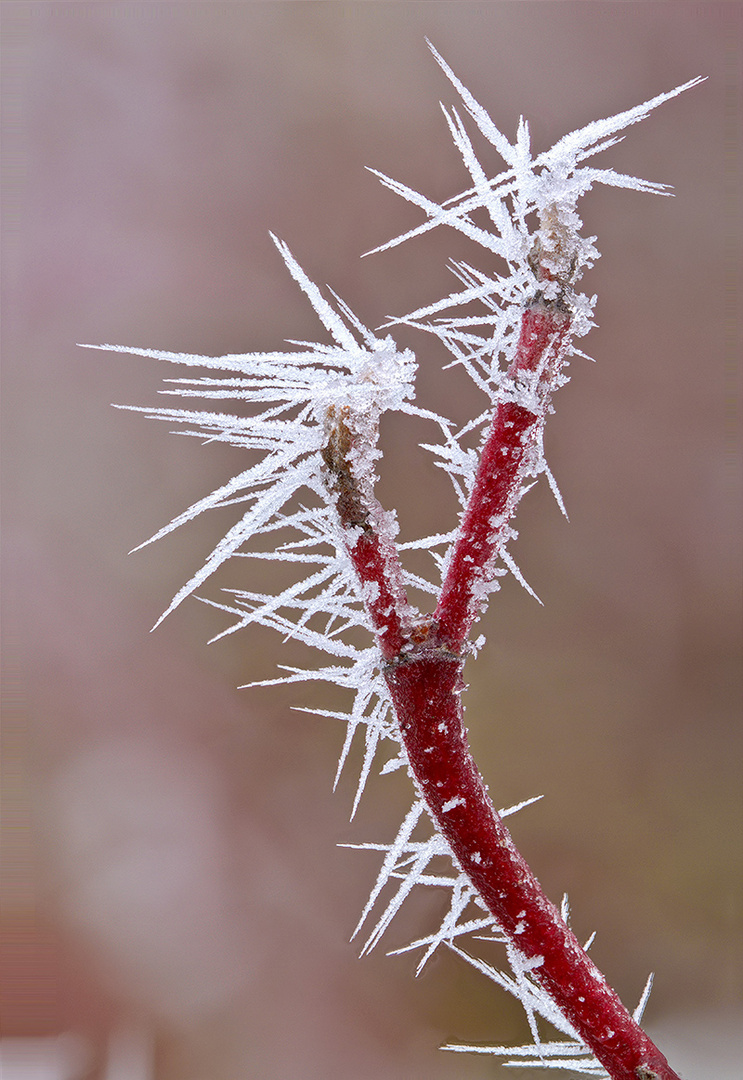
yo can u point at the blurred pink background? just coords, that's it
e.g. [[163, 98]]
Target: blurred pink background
[[174, 901]]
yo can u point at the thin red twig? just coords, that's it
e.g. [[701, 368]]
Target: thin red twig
[[423, 671]]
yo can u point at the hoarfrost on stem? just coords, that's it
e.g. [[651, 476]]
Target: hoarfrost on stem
[[310, 416]]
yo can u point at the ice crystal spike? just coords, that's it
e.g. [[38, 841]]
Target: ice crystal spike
[[296, 392], [308, 419]]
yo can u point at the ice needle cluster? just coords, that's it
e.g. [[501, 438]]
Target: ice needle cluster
[[282, 407]]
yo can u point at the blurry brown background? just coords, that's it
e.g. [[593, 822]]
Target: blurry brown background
[[174, 900]]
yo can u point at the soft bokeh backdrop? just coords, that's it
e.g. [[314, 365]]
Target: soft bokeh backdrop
[[175, 903]]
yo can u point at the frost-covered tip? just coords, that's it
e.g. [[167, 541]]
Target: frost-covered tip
[[545, 187], [302, 397]]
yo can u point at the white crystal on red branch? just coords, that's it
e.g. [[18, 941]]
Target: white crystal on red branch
[[309, 419]]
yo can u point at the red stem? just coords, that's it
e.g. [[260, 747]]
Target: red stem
[[423, 671], [425, 693], [378, 569], [543, 340]]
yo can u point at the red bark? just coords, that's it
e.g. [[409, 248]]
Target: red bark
[[423, 671], [425, 692], [514, 429]]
